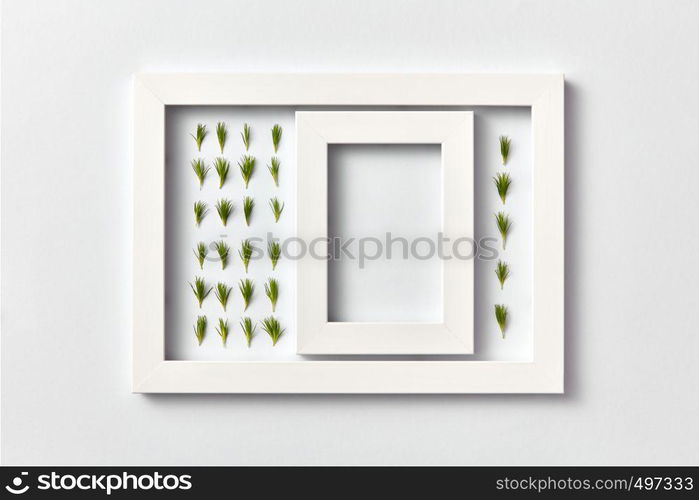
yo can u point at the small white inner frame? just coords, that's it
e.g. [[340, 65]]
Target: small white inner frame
[[453, 131]]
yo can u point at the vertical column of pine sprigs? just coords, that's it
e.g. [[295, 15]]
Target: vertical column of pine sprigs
[[502, 181]]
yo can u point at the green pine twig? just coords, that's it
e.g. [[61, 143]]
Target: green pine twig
[[221, 135], [276, 136], [501, 317], [271, 325], [248, 205], [277, 208], [201, 170], [200, 211], [222, 330], [272, 292], [200, 329], [274, 251], [504, 224], [502, 271], [222, 292], [245, 253], [502, 183], [248, 328], [199, 289], [200, 253], [222, 167], [247, 167], [200, 135], [273, 168], [245, 135], [223, 250], [224, 208], [504, 148], [246, 288]]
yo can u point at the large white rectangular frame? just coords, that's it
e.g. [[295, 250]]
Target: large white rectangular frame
[[152, 373], [453, 131]]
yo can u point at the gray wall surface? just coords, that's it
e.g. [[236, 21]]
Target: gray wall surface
[[632, 122]]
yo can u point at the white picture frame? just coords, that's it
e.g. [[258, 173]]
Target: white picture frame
[[315, 132], [544, 373]]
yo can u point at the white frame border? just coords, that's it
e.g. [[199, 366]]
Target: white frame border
[[543, 93], [453, 131]]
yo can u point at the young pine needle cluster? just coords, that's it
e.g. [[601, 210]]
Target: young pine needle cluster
[[200, 253], [199, 135], [221, 135], [199, 289], [502, 183], [272, 327], [245, 253], [277, 208], [501, 317], [274, 251], [247, 167], [223, 249], [200, 329], [245, 135], [276, 136], [504, 148], [222, 166], [502, 271], [200, 169], [200, 211], [273, 168], [503, 224], [248, 328], [222, 292], [224, 208], [248, 205], [272, 292], [246, 288], [222, 330]]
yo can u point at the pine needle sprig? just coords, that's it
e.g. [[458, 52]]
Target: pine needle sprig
[[274, 251], [200, 329], [502, 271], [245, 253], [200, 211], [246, 287], [272, 292], [222, 167], [504, 224], [273, 168], [501, 317], [222, 292], [502, 183], [223, 249], [221, 135], [200, 135], [277, 208], [245, 135], [199, 289], [224, 208], [200, 253], [276, 136], [201, 170], [248, 205], [248, 328], [504, 148], [273, 328], [247, 167], [222, 330]]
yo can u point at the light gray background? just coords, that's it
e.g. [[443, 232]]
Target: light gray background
[[632, 111]]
